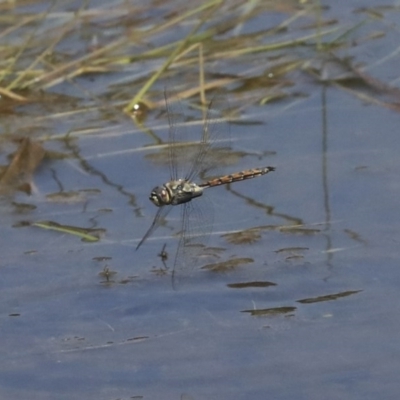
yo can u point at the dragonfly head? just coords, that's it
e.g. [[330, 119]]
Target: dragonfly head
[[160, 196]]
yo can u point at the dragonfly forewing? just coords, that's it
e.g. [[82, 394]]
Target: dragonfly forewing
[[157, 221]]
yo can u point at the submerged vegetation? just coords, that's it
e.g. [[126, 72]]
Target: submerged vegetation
[[259, 49]]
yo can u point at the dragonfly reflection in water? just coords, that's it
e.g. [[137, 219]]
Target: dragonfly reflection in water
[[190, 160]]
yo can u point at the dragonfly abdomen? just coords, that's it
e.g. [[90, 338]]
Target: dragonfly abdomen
[[239, 176]]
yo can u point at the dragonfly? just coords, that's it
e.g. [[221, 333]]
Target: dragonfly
[[181, 189]]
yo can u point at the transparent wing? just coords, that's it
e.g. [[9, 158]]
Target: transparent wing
[[173, 118], [214, 141], [195, 143], [161, 214], [196, 225]]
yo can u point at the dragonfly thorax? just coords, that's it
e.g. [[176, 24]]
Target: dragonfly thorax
[[175, 192]]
